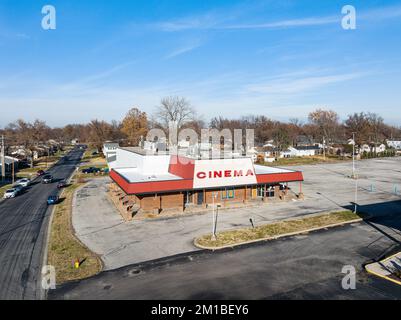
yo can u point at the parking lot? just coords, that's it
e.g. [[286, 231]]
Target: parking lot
[[327, 187]]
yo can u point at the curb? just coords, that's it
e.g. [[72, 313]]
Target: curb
[[380, 275], [276, 237]]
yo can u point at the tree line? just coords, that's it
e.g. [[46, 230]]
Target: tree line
[[322, 125]]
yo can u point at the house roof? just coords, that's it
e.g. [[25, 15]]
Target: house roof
[[307, 148]]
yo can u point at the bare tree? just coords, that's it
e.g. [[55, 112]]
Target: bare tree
[[327, 123], [376, 127], [100, 131], [174, 109]]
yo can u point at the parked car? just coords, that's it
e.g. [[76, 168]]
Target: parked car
[[91, 170], [18, 187], [47, 179], [25, 182], [53, 199], [10, 193], [61, 184], [40, 173]]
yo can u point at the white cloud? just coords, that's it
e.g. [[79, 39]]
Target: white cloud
[[287, 23], [288, 85], [183, 50]]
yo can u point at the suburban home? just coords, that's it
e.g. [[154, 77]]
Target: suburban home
[[395, 144], [300, 151], [379, 149], [9, 163], [365, 148]]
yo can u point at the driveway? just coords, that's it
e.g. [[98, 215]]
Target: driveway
[[326, 188]]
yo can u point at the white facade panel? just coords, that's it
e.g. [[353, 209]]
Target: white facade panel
[[223, 172]]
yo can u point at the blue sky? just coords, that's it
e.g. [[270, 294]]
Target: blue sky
[[282, 59]]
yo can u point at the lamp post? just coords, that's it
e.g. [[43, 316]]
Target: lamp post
[[354, 176], [214, 195], [353, 154]]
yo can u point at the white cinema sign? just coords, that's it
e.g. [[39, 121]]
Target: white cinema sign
[[223, 172]]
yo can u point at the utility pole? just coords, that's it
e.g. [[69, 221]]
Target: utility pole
[[324, 149], [353, 155], [3, 160]]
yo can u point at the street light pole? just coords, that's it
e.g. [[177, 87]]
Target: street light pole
[[353, 155], [214, 195], [3, 160], [354, 176]]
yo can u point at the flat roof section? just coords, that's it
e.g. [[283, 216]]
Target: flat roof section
[[133, 175], [270, 170]]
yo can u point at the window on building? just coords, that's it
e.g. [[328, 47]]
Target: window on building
[[189, 197], [261, 191], [227, 193]]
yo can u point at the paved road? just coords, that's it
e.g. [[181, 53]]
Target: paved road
[[23, 228], [299, 267]]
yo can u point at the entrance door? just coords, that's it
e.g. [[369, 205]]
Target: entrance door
[[200, 197]]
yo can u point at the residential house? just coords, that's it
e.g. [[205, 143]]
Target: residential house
[[395, 144]]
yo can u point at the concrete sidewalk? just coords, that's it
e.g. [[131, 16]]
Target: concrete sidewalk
[[385, 269], [327, 188]]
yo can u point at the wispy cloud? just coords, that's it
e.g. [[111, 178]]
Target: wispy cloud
[[183, 50], [204, 21], [288, 85], [286, 23], [213, 21]]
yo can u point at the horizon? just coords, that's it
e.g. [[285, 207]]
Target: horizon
[[231, 59]]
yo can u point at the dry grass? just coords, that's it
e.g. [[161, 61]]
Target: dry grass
[[305, 160], [3, 189], [65, 248], [232, 237]]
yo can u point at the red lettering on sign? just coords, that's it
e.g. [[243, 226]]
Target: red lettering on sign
[[238, 173], [223, 174], [201, 175], [217, 174]]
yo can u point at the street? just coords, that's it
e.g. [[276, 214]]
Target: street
[[23, 229], [300, 267]]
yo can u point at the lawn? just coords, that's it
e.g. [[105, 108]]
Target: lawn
[[271, 230], [305, 160], [3, 189], [65, 248]]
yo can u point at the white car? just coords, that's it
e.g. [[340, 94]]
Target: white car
[[11, 193], [25, 182]]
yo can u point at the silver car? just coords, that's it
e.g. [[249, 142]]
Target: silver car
[[11, 193], [25, 182]]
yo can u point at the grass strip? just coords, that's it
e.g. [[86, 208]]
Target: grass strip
[[238, 236], [64, 248]]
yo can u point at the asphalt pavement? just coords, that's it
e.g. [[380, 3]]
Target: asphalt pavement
[[306, 266], [23, 230]]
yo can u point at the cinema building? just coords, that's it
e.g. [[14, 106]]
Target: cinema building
[[146, 184]]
